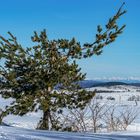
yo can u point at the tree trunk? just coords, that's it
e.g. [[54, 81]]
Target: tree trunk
[[44, 122], [95, 128]]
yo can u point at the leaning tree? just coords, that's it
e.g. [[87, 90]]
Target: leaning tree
[[46, 76]]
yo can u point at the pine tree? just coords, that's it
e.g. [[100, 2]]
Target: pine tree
[[46, 76]]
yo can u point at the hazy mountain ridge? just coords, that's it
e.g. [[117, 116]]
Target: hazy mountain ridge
[[103, 83]]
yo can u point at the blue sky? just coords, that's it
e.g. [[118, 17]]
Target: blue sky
[[79, 18]]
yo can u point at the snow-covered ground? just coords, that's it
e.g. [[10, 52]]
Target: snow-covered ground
[[121, 95], [12, 133]]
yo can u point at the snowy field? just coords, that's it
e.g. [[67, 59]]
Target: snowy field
[[11, 133], [121, 96]]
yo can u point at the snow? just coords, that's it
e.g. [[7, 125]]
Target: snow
[[30, 120], [13, 133]]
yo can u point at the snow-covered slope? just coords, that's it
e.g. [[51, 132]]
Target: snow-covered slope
[[12, 133], [120, 93]]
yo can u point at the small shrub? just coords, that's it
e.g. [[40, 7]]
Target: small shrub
[[134, 98], [110, 98], [99, 97]]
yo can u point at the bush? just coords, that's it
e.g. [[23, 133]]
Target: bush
[[99, 97], [134, 98], [110, 98]]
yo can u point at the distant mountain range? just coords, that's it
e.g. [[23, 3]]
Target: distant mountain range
[[103, 83]]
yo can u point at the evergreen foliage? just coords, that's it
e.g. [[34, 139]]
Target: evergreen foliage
[[46, 75]]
